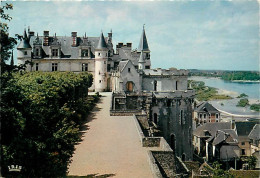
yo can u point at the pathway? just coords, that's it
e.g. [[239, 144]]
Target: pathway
[[110, 146]]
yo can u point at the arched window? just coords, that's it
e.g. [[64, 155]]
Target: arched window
[[155, 120], [129, 86], [183, 157], [173, 144]]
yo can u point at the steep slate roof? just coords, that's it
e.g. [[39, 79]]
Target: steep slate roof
[[229, 152], [211, 128], [143, 44], [255, 133], [122, 65], [244, 128], [227, 135], [25, 42], [206, 107], [66, 41], [101, 43]]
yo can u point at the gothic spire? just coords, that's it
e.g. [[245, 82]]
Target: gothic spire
[[102, 43], [143, 45]]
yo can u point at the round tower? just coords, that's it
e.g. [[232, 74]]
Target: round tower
[[24, 50], [101, 56]]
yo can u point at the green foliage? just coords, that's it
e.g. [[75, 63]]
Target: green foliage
[[252, 162], [243, 95], [41, 114], [219, 173], [241, 75], [228, 75], [7, 42], [205, 93], [255, 107], [243, 102]]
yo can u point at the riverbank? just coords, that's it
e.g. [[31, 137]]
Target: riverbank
[[233, 89]]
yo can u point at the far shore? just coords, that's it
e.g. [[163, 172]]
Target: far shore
[[238, 81]]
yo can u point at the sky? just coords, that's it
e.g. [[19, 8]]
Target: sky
[[217, 35]]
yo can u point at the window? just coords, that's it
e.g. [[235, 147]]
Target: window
[[217, 115], [200, 116], [242, 143], [37, 52], [36, 66], [54, 67], [84, 67], [155, 118], [99, 54], [176, 85], [155, 85], [108, 67], [84, 53], [25, 52], [99, 81], [243, 151], [147, 67], [104, 62], [204, 115], [55, 52], [129, 69], [181, 117]]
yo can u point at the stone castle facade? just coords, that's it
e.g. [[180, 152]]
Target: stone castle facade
[[73, 53]]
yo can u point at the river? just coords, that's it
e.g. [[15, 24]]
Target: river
[[234, 89]]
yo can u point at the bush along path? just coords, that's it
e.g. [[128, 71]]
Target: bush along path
[[41, 113]]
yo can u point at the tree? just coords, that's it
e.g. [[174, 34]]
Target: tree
[[219, 173], [252, 162], [7, 42]]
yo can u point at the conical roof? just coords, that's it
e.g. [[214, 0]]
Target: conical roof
[[25, 41], [143, 45], [141, 58], [102, 43]]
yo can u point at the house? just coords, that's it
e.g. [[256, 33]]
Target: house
[[202, 133], [254, 137], [243, 130], [205, 113]]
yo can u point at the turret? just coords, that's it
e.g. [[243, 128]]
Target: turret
[[101, 56], [24, 50]]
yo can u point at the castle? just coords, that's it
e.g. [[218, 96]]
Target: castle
[[162, 94], [92, 54]]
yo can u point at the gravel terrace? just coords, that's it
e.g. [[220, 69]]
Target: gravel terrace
[[110, 146]]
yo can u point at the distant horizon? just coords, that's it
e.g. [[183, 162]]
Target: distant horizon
[[214, 35]]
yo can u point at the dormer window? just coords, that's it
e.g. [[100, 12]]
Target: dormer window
[[55, 52], [84, 53]]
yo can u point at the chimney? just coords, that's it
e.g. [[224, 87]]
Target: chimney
[[74, 38], [110, 37], [31, 34], [45, 38], [232, 124], [129, 45]]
